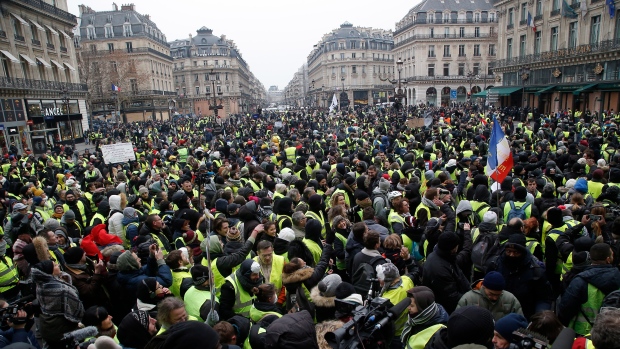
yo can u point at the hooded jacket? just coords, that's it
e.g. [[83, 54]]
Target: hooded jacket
[[506, 304], [129, 276], [308, 277], [292, 331], [604, 277], [115, 220]]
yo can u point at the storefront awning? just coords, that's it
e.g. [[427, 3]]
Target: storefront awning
[[584, 89], [481, 94], [609, 87], [21, 20], [37, 25], [28, 59], [44, 62], [504, 91], [8, 55], [545, 90], [58, 65], [52, 29], [69, 66]]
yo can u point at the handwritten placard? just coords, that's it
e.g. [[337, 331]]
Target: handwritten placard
[[118, 153]]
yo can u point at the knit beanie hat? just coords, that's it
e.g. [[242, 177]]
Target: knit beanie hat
[[448, 241], [69, 214], [554, 217], [190, 236], [597, 174], [384, 185], [187, 333], [146, 290], [346, 292], [423, 297], [233, 235], [494, 281], [387, 272], [214, 244], [200, 273], [45, 266], [51, 224], [510, 323], [129, 212], [73, 255], [126, 262], [517, 241], [287, 234], [490, 217], [143, 190], [328, 285], [570, 183], [470, 325], [37, 200]]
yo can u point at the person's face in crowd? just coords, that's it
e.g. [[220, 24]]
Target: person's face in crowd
[[413, 308], [512, 252], [135, 256], [51, 238], [492, 295], [340, 200], [144, 195], [107, 328], [405, 206], [311, 160], [91, 167], [56, 271], [447, 198], [342, 224], [266, 255], [223, 229], [372, 173], [70, 198], [499, 342], [69, 221], [185, 226], [254, 277], [271, 231], [386, 164], [61, 239], [187, 186], [323, 183], [59, 210], [531, 187]]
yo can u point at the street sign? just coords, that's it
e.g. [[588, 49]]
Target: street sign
[[13, 131], [1, 127], [452, 94], [492, 96]]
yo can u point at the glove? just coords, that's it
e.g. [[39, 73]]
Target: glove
[[212, 318]]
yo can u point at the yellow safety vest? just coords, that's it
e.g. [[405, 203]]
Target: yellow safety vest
[[177, 278], [275, 277], [315, 249], [9, 277], [243, 299]]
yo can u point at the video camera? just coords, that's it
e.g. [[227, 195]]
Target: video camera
[[526, 339], [9, 314], [372, 326]]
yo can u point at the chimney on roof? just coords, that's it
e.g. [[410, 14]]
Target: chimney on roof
[[114, 7], [223, 38], [128, 7], [147, 17]]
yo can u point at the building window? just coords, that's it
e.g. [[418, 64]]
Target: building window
[[134, 85], [509, 48], [432, 32], [127, 29], [572, 35], [342, 56], [461, 32], [353, 45], [353, 69], [537, 42], [90, 33], [16, 26], [129, 47], [431, 70], [511, 16], [431, 50], [25, 71], [461, 69], [477, 50], [110, 47], [114, 67], [34, 32], [226, 76], [522, 49], [446, 32], [343, 70], [197, 90], [595, 28], [109, 33], [476, 17], [461, 50], [477, 32], [342, 46], [555, 5], [538, 7], [476, 68], [524, 12], [554, 39], [363, 69], [446, 69], [49, 37], [492, 50], [446, 50], [333, 70], [353, 55]]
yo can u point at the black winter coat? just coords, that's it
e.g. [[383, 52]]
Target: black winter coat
[[445, 278]]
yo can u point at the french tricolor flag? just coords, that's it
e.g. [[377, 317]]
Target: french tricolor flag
[[115, 88], [530, 21], [499, 160]]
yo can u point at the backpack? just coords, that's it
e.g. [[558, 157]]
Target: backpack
[[612, 300], [477, 219], [484, 248], [362, 275], [517, 212], [383, 214]]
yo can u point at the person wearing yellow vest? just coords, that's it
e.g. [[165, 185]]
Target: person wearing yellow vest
[[222, 265], [9, 277], [239, 290], [271, 266], [424, 318], [171, 311], [198, 297], [312, 240], [178, 262], [297, 274], [595, 187], [266, 303], [558, 247], [581, 302], [394, 287], [81, 211]]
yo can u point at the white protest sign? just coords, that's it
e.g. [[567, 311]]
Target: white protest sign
[[117, 153]]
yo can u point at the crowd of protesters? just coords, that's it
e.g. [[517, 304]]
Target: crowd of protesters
[[271, 230]]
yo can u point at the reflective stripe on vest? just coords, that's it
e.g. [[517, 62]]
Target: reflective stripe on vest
[[320, 218], [256, 315], [243, 300]]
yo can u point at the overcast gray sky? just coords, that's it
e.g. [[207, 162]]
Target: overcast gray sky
[[274, 36]]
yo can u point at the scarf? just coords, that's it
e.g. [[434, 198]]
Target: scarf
[[81, 267], [371, 253], [429, 203], [419, 319]]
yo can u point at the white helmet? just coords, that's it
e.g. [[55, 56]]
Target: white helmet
[[394, 194]]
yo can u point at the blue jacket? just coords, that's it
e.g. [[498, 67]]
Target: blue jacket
[[132, 230], [129, 280], [11, 336]]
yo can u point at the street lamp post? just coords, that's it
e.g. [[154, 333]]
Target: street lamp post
[[215, 107], [524, 73], [65, 100], [342, 94]]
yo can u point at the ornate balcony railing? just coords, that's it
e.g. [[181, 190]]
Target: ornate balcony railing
[[42, 5], [445, 36], [27, 84], [444, 21]]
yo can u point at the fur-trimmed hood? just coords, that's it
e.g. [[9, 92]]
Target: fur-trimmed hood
[[325, 327], [322, 301], [298, 275]]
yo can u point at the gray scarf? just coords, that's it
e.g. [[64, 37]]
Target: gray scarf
[[419, 319], [429, 203]]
